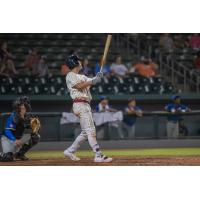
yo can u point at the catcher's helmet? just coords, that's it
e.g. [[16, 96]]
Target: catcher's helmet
[[22, 100], [72, 61]]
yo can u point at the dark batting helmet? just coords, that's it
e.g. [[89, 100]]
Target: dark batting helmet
[[72, 61]]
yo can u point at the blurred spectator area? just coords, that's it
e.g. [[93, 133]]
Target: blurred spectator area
[[177, 60], [130, 46], [57, 47], [55, 85], [184, 54]]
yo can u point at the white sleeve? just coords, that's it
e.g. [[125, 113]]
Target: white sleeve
[[87, 78], [72, 80]]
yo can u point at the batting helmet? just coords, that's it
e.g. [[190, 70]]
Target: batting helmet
[[72, 61]]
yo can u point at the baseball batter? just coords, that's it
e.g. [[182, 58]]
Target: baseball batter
[[79, 87]]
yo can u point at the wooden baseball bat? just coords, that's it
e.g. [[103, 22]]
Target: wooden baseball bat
[[106, 48]]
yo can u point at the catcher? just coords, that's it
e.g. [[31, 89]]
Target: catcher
[[14, 140]]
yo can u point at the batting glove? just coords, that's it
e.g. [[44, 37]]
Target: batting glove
[[96, 80]]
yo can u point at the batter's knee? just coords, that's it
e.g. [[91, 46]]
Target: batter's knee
[[84, 134], [91, 131], [6, 157]]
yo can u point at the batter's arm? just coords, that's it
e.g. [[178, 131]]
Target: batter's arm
[[89, 82], [83, 85]]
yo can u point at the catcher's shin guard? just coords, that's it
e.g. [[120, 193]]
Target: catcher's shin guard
[[6, 157], [35, 138]]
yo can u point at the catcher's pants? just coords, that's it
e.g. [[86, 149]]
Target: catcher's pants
[[9, 146], [88, 131], [172, 130]]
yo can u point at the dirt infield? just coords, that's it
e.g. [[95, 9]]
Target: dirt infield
[[118, 161]]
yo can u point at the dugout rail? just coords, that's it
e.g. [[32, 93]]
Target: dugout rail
[[151, 126]]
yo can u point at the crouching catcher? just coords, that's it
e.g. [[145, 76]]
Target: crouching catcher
[[14, 142]]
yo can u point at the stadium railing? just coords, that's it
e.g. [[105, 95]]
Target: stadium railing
[[151, 126]]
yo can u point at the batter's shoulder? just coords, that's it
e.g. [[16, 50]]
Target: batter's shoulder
[[70, 75]]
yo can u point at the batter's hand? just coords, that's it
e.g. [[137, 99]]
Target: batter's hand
[[18, 142], [96, 80]]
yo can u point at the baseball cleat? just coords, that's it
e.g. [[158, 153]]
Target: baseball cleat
[[71, 156], [19, 156], [102, 158]]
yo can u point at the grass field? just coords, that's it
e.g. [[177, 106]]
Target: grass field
[[121, 153], [126, 157]]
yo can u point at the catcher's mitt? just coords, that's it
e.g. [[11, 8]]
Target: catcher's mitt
[[35, 124]]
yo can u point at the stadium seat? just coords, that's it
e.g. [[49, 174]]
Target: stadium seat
[[156, 89], [62, 91], [131, 89], [123, 89], [139, 89], [94, 90], [58, 46], [38, 81], [3, 90], [109, 89], [6, 81], [168, 88], [128, 80], [113, 80], [146, 89], [136, 80], [29, 90]]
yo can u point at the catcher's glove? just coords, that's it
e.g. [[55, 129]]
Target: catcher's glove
[[35, 124]]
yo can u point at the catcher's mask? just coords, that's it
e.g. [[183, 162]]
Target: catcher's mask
[[22, 101]]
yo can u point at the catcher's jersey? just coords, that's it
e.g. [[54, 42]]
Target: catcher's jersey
[[71, 80], [15, 126]]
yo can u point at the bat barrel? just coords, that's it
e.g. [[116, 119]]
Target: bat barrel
[[106, 48]]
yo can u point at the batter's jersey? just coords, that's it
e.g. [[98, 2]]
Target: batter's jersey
[[71, 80]]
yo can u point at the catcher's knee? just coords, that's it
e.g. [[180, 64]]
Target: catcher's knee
[[35, 138], [6, 157]]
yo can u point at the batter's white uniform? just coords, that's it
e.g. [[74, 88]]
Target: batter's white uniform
[[83, 111]]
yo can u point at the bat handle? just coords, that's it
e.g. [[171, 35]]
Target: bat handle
[[102, 65], [101, 68]]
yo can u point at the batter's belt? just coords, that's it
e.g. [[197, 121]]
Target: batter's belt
[[80, 101]]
